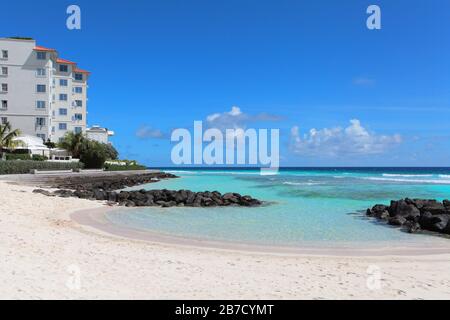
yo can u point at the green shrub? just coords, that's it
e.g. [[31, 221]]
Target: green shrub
[[93, 154], [18, 156], [18, 151], [37, 157], [111, 152], [24, 166]]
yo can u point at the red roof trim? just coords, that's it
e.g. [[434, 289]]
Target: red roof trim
[[39, 48], [81, 71], [59, 60]]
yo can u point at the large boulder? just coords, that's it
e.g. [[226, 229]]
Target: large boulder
[[438, 223], [446, 204], [112, 196], [100, 194], [404, 209], [378, 211], [123, 196], [397, 221], [412, 227], [434, 208], [420, 203], [231, 197]]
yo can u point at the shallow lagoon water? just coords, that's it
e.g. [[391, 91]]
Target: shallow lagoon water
[[315, 206]]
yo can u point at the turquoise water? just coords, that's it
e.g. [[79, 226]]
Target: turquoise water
[[306, 205]]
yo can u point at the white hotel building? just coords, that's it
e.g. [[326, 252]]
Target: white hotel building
[[40, 93]]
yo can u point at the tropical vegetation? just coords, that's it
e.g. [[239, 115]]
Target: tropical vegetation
[[92, 153], [7, 135]]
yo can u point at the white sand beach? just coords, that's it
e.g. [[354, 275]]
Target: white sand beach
[[46, 255]]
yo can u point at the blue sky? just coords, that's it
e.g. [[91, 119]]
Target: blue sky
[[374, 97]]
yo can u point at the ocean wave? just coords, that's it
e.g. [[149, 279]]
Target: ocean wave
[[181, 171], [406, 175], [215, 172], [434, 181], [445, 176]]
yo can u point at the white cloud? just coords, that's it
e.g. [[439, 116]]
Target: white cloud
[[147, 132], [337, 141], [236, 119]]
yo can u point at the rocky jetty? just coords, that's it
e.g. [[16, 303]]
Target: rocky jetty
[[107, 187], [415, 214], [108, 182], [162, 198]]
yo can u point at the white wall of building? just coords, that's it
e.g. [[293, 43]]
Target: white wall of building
[[24, 73]]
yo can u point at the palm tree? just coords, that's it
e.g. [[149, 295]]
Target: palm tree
[[7, 136], [72, 142]]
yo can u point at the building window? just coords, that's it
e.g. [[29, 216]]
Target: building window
[[4, 87], [41, 72], [4, 120], [78, 77], [40, 122], [4, 54], [41, 135], [4, 104], [41, 55], [78, 103], [78, 116], [63, 97], [4, 71], [53, 129], [63, 126], [40, 104], [63, 112], [41, 88], [63, 68], [78, 89], [63, 82], [77, 129]]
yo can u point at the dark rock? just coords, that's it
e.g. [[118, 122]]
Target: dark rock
[[420, 203], [432, 222], [434, 208], [397, 221], [109, 182], [122, 196], [112, 196], [63, 193], [190, 198], [129, 203], [416, 214], [100, 194], [83, 194], [378, 211], [102, 188], [447, 204], [407, 210], [169, 204], [230, 197], [44, 192], [412, 227]]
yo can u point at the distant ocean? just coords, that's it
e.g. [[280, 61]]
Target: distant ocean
[[307, 205]]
